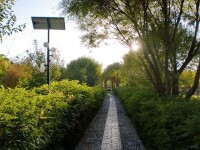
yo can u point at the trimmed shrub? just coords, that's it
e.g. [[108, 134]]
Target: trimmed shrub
[[45, 118], [163, 122]]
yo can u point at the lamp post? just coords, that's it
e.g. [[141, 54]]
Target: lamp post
[[47, 23]]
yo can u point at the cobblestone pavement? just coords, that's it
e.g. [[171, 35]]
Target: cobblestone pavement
[[111, 129]]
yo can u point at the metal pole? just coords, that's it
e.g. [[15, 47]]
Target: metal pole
[[48, 60]]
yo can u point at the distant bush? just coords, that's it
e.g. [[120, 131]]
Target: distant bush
[[163, 123], [38, 119]]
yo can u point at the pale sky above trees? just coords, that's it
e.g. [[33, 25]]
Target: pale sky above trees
[[67, 42]]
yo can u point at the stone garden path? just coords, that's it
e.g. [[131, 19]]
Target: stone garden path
[[111, 129]]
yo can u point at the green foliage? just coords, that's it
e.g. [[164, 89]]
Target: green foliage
[[34, 60], [39, 119], [186, 78], [163, 122], [3, 67], [167, 32], [112, 73], [132, 72], [8, 19], [86, 70]]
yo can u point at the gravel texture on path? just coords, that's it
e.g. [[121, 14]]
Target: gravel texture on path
[[111, 129]]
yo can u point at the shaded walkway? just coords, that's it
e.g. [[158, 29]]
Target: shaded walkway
[[111, 129]]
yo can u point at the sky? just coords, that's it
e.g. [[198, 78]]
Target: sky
[[67, 41]]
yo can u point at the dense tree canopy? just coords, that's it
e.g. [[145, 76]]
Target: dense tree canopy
[[168, 33], [132, 73], [84, 69]]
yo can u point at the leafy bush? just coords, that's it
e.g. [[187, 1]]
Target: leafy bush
[[163, 123], [38, 119]]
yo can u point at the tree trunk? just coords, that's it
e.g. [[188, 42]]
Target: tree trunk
[[195, 84], [175, 86]]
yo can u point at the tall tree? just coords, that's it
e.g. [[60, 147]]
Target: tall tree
[[8, 19], [84, 69], [132, 71], [167, 31]]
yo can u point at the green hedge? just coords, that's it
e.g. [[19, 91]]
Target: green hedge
[[162, 123], [38, 119]]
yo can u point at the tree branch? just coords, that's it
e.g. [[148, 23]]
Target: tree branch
[[192, 52]]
